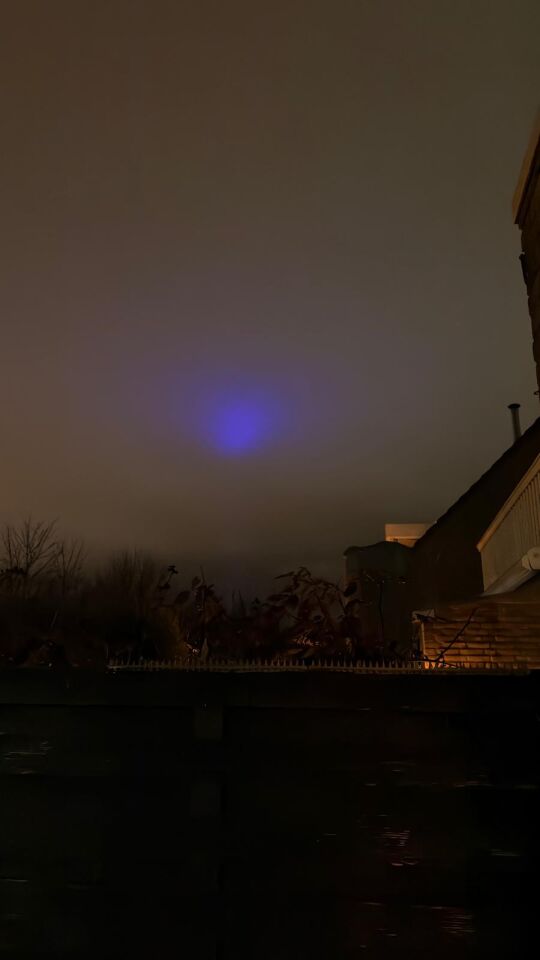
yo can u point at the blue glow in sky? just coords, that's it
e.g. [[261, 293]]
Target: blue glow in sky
[[241, 424], [235, 414]]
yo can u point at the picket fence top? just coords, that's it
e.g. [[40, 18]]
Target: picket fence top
[[423, 667]]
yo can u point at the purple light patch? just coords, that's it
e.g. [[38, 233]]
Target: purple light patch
[[241, 425], [238, 415]]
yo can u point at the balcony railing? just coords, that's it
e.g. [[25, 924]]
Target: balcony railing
[[510, 547]]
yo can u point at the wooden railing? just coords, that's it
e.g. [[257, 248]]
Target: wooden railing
[[510, 547]]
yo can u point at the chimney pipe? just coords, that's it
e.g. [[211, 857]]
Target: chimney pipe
[[516, 425]]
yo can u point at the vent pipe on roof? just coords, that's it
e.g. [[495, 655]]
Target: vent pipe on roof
[[516, 425]]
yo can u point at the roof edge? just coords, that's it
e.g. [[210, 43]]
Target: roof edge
[[530, 431], [526, 174]]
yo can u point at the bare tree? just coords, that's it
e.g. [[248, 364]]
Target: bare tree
[[29, 554], [68, 563], [130, 580]]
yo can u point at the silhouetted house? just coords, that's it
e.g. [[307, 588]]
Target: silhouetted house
[[469, 585], [446, 565], [502, 626], [526, 209], [500, 512], [478, 568]]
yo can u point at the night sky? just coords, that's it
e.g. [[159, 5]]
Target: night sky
[[259, 280]]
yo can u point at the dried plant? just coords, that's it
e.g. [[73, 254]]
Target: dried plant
[[51, 607]]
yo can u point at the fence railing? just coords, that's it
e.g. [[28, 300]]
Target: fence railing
[[301, 666], [513, 535]]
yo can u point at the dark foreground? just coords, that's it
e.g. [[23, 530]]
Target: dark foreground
[[268, 817]]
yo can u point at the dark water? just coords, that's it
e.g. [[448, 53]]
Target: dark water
[[268, 817]]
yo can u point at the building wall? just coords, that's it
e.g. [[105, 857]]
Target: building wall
[[527, 216], [500, 631]]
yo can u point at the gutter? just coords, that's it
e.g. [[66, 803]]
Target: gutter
[[517, 574]]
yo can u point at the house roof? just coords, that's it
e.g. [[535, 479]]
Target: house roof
[[527, 595], [529, 171], [387, 546], [530, 435]]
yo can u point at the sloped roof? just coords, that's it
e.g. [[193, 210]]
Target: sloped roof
[[389, 546], [531, 434], [528, 173], [528, 595]]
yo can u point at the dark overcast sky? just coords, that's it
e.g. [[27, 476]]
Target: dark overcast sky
[[259, 279]]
